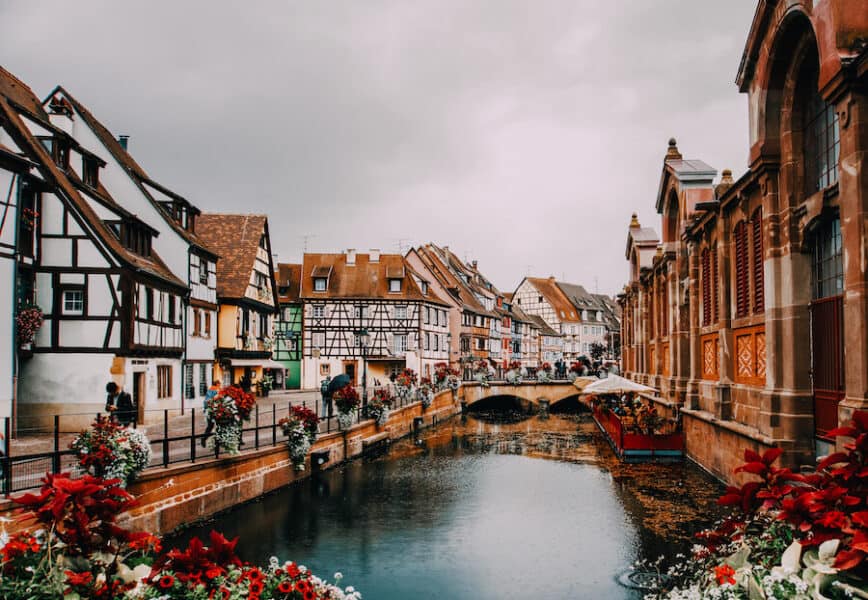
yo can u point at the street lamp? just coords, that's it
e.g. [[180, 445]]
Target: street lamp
[[449, 349], [364, 340]]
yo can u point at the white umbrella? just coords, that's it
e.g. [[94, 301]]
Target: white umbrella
[[615, 384]]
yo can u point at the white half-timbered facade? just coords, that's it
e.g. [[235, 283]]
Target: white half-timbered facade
[[174, 219], [246, 296], [350, 293], [112, 306]]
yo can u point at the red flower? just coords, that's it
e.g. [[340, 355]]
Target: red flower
[[255, 587], [724, 574], [75, 579], [166, 582], [292, 570], [284, 587], [213, 572]]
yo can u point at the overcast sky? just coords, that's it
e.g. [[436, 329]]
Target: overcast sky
[[522, 134]]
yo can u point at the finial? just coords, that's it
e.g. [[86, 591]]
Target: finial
[[672, 152], [634, 221], [726, 176]]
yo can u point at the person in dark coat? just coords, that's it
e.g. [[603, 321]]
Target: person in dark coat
[[119, 404]]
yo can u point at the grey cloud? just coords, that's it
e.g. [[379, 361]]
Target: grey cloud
[[518, 133]]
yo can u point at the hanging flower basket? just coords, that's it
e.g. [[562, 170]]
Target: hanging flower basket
[[300, 428], [111, 451], [425, 393], [28, 320], [378, 407], [228, 410], [513, 377], [442, 374], [453, 382], [347, 400]]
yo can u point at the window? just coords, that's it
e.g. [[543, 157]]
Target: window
[[263, 243], [424, 287], [318, 311], [400, 312], [822, 140], [361, 311], [73, 301], [263, 326], [319, 284], [197, 322], [436, 343], [59, 151], [828, 269], [164, 381], [427, 341], [189, 388], [318, 339], [90, 171], [585, 330], [207, 331], [203, 271], [203, 379], [742, 276], [171, 309], [149, 303], [394, 285], [400, 343], [599, 316], [539, 299], [709, 286], [427, 315], [757, 251], [245, 322]]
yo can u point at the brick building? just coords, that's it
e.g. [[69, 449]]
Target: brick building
[[751, 313]]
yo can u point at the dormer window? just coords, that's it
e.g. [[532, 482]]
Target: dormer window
[[319, 284], [134, 235], [424, 287], [58, 149], [394, 285], [90, 171], [263, 243]]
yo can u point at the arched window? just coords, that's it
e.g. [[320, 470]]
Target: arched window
[[664, 308], [742, 274], [757, 252], [715, 293]]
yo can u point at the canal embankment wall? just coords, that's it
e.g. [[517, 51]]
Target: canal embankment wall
[[182, 494]]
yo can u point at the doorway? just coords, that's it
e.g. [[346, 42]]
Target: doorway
[[350, 370], [827, 325], [139, 395]]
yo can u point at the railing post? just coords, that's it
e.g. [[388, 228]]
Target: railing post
[[7, 460], [274, 424], [165, 437], [192, 435], [256, 431], [55, 457]]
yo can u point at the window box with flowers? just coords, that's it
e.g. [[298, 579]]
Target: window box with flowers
[[300, 428], [378, 407], [347, 400]]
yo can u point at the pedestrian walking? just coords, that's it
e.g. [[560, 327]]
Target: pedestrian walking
[[119, 404], [209, 424]]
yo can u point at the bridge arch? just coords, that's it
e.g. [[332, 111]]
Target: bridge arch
[[530, 394]]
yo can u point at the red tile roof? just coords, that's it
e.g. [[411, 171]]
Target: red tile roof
[[364, 279], [555, 297], [236, 239], [288, 278]]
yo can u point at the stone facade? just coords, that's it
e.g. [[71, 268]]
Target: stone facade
[[751, 314]]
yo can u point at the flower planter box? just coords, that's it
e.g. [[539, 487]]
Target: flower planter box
[[638, 447]]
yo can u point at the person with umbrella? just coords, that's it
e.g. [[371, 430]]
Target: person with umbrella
[[329, 387]]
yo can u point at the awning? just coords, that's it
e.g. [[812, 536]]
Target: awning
[[265, 363], [613, 384]]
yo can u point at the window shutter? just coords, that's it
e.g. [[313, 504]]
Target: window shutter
[[758, 283], [715, 290], [741, 271], [664, 322], [706, 287]]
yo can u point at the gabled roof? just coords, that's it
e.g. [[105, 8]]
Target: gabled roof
[[136, 172], [365, 279], [544, 328], [428, 292], [553, 294], [437, 259], [236, 239], [35, 151], [288, 277]]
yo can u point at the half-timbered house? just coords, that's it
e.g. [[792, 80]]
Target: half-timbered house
[[544, 298], [172, 216], [288, 327], [112, 306], [247, 298], [348, 294]]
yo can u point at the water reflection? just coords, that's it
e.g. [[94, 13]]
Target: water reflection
[[467, 511]]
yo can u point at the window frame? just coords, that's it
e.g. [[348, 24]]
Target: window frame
[[72, 288]]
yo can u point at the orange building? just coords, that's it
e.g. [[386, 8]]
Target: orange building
[[751, 314]]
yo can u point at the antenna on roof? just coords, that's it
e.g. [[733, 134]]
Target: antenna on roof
[[596, 285], [529, 269], [306, 238], [400, 244]]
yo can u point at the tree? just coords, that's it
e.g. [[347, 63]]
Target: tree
[[597, 351]]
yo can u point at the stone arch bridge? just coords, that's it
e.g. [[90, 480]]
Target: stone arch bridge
[[532, 394]]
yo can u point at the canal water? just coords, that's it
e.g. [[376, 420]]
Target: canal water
[[490, 506]]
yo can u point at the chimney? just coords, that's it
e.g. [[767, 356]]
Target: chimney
[[374, 255], [473, 264], [351, 256], [124, 141]]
